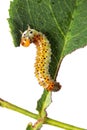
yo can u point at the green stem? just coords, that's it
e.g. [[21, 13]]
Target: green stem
[[49, 121], [8, 105], [62, 125]]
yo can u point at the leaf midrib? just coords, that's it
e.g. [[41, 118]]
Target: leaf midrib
[[65, 39]]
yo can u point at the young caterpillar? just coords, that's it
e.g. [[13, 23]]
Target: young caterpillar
[[43, 58]]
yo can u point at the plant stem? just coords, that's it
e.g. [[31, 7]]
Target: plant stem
[[49, 121], [62, 125], [11, 106]]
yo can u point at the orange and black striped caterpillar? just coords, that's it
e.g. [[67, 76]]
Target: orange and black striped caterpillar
[[43, 58]]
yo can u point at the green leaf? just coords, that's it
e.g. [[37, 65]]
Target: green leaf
[[29, 127], [43, 103], [64, 22]]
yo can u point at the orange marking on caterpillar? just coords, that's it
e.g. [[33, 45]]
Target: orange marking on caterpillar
[[25, 42], [43, 58]]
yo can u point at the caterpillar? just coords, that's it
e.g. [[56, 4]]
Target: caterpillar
[[43, 58]]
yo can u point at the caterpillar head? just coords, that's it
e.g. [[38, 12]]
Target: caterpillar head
[[27, 37]]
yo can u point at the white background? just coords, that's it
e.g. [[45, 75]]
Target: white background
[[19, 86]]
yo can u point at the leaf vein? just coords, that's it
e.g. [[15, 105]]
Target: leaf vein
[[28, 8], [77, 34], [19, 17], [67, 5], [57, 24]]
